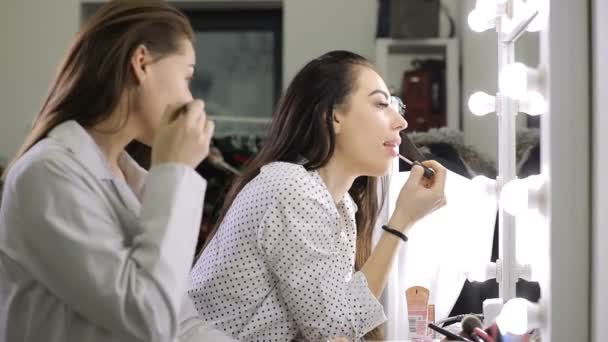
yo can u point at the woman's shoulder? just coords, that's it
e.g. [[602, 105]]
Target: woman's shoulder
[[43, 160], [284, 180], [284, 171], [46, 169]]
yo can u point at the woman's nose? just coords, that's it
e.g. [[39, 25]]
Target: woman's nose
[[401, 123]]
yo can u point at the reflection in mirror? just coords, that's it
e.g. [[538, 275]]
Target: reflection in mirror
[[454, 120]]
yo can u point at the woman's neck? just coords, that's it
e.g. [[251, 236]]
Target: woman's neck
[[337, 178], [112, 142]]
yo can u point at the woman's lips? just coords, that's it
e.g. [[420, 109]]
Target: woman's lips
[[392, 148]]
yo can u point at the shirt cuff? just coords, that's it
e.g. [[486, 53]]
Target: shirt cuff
[[368, 313], [177, 170]]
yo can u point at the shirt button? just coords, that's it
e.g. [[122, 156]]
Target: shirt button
[[343, 234], [348, 277]]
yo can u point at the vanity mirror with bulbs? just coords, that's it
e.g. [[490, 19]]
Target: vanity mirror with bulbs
[[544, 218], [533, 81]]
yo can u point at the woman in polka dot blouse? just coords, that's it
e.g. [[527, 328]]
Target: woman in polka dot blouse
[[292, 257]]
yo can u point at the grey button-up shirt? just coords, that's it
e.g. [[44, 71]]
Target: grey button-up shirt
[[87, 257]]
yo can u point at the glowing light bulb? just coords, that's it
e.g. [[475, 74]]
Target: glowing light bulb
[[524, 271], [532, 247], [485, 184], [537, 193], [518, 316], [512, 80], [491, 9], [519, 195], [481, 272], [481, 103], [533, 104], [478, 22], [514, 197], [516, 80]]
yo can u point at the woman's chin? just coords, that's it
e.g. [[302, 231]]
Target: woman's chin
[[379, 170], [146, 140], [149, 133]]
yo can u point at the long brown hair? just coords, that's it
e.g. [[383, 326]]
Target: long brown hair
[[96, 69], [302, 127]]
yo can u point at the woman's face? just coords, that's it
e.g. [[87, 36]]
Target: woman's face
[[164, 86], [367, 126]]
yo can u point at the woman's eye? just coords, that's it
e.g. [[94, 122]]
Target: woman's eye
[[382, 105]]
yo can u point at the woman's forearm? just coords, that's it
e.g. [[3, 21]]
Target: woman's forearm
[[378, 265]]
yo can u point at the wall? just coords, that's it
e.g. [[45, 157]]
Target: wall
[[30, 53], [30, 56], [312, 27]]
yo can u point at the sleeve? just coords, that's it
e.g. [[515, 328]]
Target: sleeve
[[73, 244], [314, 273], [194, 329]]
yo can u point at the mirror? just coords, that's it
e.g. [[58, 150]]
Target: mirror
[[478, 139]]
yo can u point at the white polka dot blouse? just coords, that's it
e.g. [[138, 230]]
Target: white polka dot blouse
[[281, 266]]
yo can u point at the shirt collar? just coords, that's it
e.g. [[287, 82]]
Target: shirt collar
[[78, 141], [347, 200]]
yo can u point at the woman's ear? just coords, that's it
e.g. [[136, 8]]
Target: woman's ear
[[337, 118], [140, 60]]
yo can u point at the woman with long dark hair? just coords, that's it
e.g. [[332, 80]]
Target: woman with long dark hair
[[92, 248], [292, 256]]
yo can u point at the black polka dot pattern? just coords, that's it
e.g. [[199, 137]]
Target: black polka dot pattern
[[281, 265]]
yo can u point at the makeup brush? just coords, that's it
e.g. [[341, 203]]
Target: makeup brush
[[428, 172]]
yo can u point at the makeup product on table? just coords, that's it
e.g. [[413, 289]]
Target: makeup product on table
[[417, 298]]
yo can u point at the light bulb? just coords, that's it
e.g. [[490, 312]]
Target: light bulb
[[512, 80], [531, 243], [481, 103], [533, 103], [532, 246], [519, 195], [485, 184], [524, 271], [516, 80], [491, 9], [481, 272], [537, 192], [478, 22], [518, 316], [514, 197], [492, 308]]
